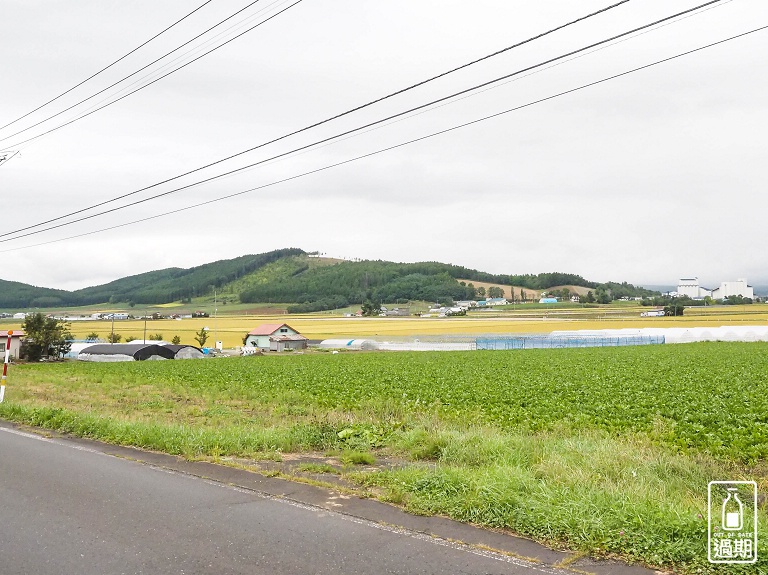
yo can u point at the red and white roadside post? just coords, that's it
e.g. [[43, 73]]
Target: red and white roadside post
[[5, 365]]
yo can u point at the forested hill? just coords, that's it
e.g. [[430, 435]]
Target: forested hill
[[292, 276], [15, 295], [174, 284], [332, 287], [156, 287]]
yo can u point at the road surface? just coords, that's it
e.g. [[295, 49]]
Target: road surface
[[67, 508]]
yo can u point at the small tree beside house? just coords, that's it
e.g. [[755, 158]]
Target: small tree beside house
[[45, 337]]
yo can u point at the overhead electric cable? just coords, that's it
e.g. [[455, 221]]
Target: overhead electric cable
[[400, 145], [105, 68], [320, 123], [330, 138], [6, 155], [136, 72], [499, 85]]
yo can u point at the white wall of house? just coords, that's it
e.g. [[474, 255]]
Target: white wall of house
[[15, 345]]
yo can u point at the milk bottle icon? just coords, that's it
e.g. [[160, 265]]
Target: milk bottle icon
[[733, 511]]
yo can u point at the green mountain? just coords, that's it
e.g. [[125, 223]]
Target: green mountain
[[172, 284], [20, 295], [156, 287], [292, 276]]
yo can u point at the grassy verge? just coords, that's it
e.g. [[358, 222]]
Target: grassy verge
[[603, 450]]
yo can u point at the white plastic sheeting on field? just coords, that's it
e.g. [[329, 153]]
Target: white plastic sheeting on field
[[426, 346], [455, 344], [686, 334], [356, 344]]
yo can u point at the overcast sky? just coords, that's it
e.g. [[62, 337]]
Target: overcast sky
[[646, 178]]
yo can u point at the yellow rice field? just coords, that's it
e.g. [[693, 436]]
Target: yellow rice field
[[230, 330]]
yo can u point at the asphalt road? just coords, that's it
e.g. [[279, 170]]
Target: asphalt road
[[69, 509]]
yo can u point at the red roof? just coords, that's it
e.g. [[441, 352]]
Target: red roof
[[16, 333], [269, 328]]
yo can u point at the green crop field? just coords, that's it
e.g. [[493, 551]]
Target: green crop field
[[605, 450]]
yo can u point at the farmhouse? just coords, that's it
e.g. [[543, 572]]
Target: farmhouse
[[275, 337], [15, 342]]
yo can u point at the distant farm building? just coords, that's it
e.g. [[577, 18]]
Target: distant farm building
[[116, 315], [396, 312], [275, 337], [109, 352], [548, 300], [492, 301]]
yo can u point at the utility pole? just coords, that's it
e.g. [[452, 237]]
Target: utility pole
[[215, 311], [5, 364]]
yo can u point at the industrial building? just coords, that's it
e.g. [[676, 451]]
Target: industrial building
[[690, 287], [739, 287]]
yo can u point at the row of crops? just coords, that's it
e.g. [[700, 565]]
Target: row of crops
[[706, 396]]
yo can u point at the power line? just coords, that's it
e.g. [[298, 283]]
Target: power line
[[320, 123], [328, 139], [136, 72], [6, 155], [105, 68], [400, 145]]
